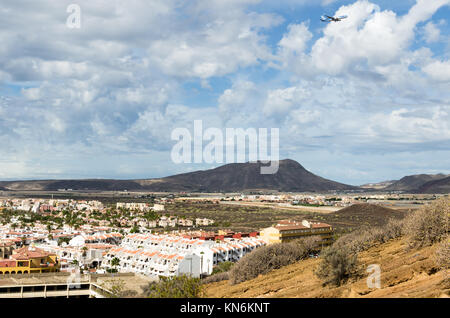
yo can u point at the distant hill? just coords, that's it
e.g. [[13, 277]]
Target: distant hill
[[435, 186], [291, 177], [414, 182], [87, 184], [371, 214]]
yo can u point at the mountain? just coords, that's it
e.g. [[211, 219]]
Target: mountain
[[414, 182], [235, 177], [291, 176], [435, 186], [87, 184]]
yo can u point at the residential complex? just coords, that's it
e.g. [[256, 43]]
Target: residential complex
[[170, 255], [288, 230]]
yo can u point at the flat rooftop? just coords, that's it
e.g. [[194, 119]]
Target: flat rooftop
[[129, 281]]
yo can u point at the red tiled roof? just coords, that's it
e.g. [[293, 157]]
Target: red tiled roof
[[290, 227], [27, 252]]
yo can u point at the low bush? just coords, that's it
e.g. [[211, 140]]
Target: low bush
[[430, 224], [174, 287], [216, 278], [442, 259], [222, 267], [442, 256], [270, 257], [337, 265]]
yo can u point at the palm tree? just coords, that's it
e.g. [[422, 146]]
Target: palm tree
[[84, 249], [114, 263]]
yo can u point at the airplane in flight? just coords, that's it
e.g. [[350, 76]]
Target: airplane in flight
[[327, 18]]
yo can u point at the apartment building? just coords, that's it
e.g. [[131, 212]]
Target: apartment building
[[167, 221], [133, 206], [185, 222], [29, 260], [158, 207], [88, 255], [106, 238], [288, 230], [170, 255], [203, 222]]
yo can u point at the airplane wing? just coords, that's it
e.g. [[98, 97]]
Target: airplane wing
[[342, 17], [329, 17]]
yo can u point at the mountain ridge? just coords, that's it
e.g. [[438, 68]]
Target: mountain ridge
[[414, 182], [236, 177], [290, 177]]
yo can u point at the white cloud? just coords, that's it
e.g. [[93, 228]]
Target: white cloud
[[368, 38], [295, 40], [217, 48], [431, 32], [280, 101], [438, 70]]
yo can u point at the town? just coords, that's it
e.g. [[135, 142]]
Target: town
[[65, 235]]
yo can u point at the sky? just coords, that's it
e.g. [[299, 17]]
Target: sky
[[363, 100]]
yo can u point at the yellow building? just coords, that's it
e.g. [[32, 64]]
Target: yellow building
[[288, 230], [27, 260]]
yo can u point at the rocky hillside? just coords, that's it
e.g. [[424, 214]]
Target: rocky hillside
[[435, 186], [413, 183]]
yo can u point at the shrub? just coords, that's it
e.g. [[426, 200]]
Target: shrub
[[442, 259], [267, 258], [216, 278], [442, 256], [117, 289], [430, 224], [337, 265], [393, 229], [174, 287], [222, 267]]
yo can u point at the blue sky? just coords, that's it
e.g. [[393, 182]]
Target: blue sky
[[362, 100]]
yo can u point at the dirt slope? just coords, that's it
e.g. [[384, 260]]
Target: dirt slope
[[404, 273]]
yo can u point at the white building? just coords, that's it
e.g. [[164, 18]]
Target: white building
[[169, 255], [158, 207]]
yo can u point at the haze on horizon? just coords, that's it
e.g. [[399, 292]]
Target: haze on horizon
[[363, 100]]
